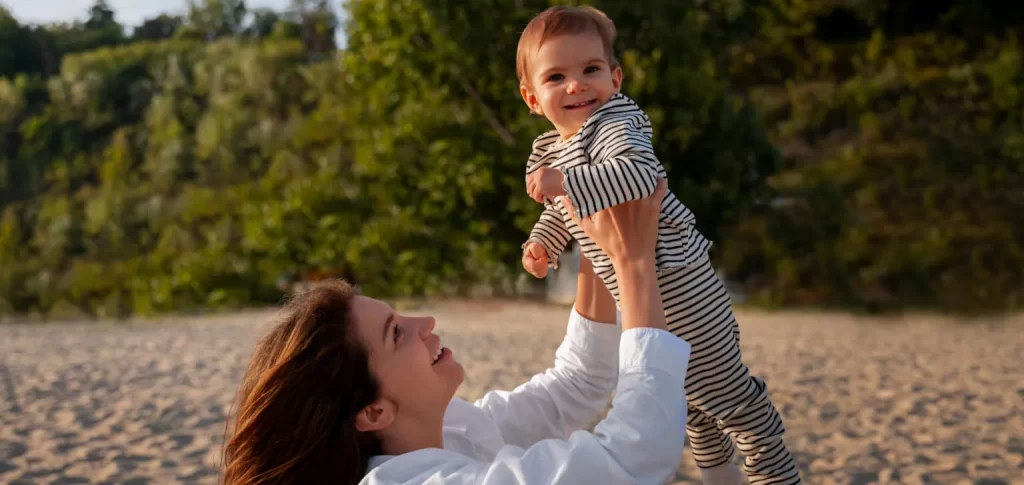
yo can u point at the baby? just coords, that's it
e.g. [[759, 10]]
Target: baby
[[600, 155]]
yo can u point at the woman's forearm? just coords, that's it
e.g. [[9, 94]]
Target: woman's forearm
[[639, 295], [593, 300]]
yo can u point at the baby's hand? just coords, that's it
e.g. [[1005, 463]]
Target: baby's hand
[[545, 184], [535, 260]]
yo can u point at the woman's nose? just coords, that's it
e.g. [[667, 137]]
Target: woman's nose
[[426, 325]]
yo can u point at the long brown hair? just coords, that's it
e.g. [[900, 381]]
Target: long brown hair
[[308, 378]]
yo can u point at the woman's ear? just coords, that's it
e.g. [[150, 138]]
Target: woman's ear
[[530, 98], [376, 417]]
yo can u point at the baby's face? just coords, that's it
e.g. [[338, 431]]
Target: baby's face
[[570, 79]]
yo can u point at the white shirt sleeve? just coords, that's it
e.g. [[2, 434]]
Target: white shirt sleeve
[[639, 442], [566, 397]]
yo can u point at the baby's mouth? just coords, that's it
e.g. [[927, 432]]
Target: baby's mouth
[[581, 104]]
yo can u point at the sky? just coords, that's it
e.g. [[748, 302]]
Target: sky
[[127, 12]]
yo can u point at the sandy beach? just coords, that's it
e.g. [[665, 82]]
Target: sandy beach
[[915, 400]]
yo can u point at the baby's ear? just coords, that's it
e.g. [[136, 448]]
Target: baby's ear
[[617, 78], [530, 98]]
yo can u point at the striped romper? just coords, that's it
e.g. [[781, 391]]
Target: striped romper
[[609, 161]]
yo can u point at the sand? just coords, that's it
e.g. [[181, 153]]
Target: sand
[[915, 400]]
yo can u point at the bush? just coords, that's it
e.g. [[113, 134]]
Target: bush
[[902, 174]]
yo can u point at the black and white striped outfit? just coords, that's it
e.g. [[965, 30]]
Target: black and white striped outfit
[[609, 161]]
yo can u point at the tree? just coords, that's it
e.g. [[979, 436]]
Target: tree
[[900, 122], [317, 25], [213, 19], [162, 26], [194, 171], [100, 16], [262, 23], [439, 104], [19, 48]]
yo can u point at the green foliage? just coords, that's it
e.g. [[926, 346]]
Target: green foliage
[[160, 27], [39, 49], [100, 16], [18, 52], [205, 160], [213, 19], [904, 164], [150, 153], [440, 107]]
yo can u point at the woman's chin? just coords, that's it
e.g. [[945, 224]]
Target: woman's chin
[[446, 363], [454, 374]]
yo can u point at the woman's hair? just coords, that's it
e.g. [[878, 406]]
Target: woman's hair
[[296, 410]]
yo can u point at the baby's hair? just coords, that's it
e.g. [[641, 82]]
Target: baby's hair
[[562, 20]]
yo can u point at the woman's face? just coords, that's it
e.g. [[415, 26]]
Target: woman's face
[[418, 376]]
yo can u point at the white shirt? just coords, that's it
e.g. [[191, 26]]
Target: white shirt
[[532, 435], [609, 161]]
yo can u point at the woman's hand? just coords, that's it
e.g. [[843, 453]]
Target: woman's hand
[[628, 232]]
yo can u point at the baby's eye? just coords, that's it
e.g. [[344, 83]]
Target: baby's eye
[[398, 332], [591, 69], [555, 78]]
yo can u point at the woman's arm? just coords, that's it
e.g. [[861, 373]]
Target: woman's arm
[[593, 300], [639, 442], [564, 398], [571, 394], [628, 234]]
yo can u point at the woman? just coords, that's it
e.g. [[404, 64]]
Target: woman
[[344, 390]]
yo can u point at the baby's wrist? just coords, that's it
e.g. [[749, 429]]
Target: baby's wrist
[[533, 240]]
